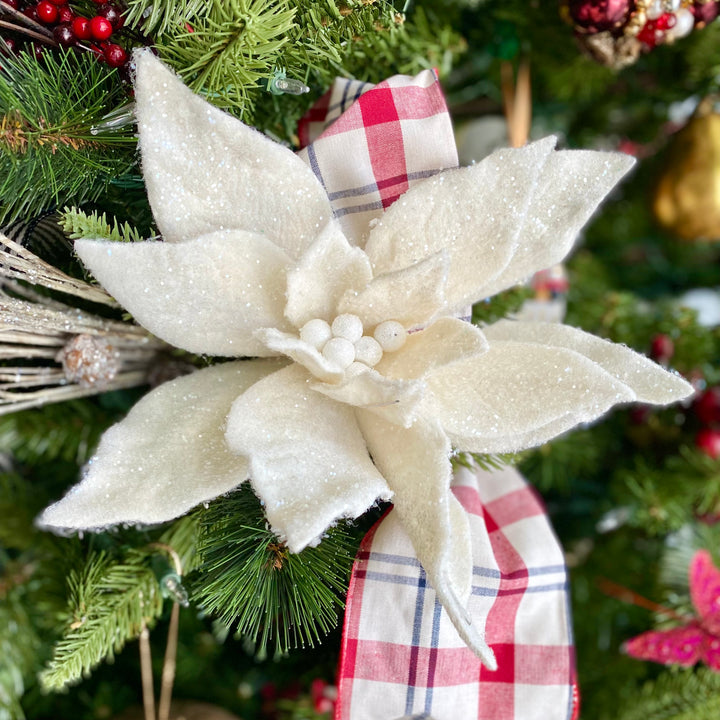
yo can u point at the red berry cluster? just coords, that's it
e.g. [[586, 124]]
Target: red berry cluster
[[70, 29]]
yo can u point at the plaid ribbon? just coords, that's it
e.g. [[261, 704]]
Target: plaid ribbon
[[376, 142], [401, 656]]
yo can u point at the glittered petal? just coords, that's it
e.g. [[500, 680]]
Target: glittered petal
[[293, 347], [573, 183], [412, 296], [395, 400], [206, 295], [165, 457], [649, 382], [475, 213], [517, 395], [308, 461], [705, 590], [678, 646], [326, 271], [205, 170], [447, 340], [415, 463]]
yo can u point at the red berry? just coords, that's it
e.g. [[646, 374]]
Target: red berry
[[47, 12], [662, 348], [31, 12], [81, 28], [115, 55], [12, 3], [38, 50], [708, 440], [59, 2], [11, 46], [64, 35], [112, 15], [65, 14], [100, 28], [100, 2], [707, 406]]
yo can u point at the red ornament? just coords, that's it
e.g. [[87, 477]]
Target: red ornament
[[662, 348], [115, 55], [81, 28], [597, 15], [708, 440], [707, 406], [649, 34], [705, 12], [47, 12], [665, 21], [100, 28]]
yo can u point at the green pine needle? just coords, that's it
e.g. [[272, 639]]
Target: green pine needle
[[78, 224], [110, 603], [250, 581], [48, 152]]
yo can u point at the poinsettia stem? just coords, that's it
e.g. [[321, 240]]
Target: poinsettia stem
[[517, 101], [148, 692], [630, 596]]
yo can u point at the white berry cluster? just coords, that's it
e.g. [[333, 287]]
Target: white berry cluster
[[344, 343]]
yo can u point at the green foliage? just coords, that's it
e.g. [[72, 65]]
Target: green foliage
[[500, 306], [110, 603], [677, 695], [67, 432], [671, 494], [48, 153], [159, 17], [78, 224], [251, 582]]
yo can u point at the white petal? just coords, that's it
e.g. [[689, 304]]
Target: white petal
[[395, 400], [411, 296], [293, 347], [572, 184], [308, 461], [517, 395], [476, 213], [165, 457], [205, 170], [649, 382], [206, 295], [325, 271], [415, 463], [447, 340]]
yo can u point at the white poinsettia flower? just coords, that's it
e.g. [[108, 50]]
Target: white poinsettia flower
[[365, 380]]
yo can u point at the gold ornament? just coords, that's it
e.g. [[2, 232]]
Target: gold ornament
[[687, 198]]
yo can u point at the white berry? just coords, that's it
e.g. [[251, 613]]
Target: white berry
[[355, 369], [368, 351], [316, 333], [347, 326], [340, 352], [390, 335]]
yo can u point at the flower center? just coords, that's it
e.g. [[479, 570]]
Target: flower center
[[344, 343]]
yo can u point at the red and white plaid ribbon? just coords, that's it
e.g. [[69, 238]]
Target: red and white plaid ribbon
[[401, 656]]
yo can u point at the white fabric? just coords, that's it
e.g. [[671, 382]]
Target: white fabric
[[308, 460], [205, 170], [168, 455], [205, 295]]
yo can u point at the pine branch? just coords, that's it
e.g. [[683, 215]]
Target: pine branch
[[78, 224], [110, 603], [250, 581], [159, 17], [50, 154], [677, 695]]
